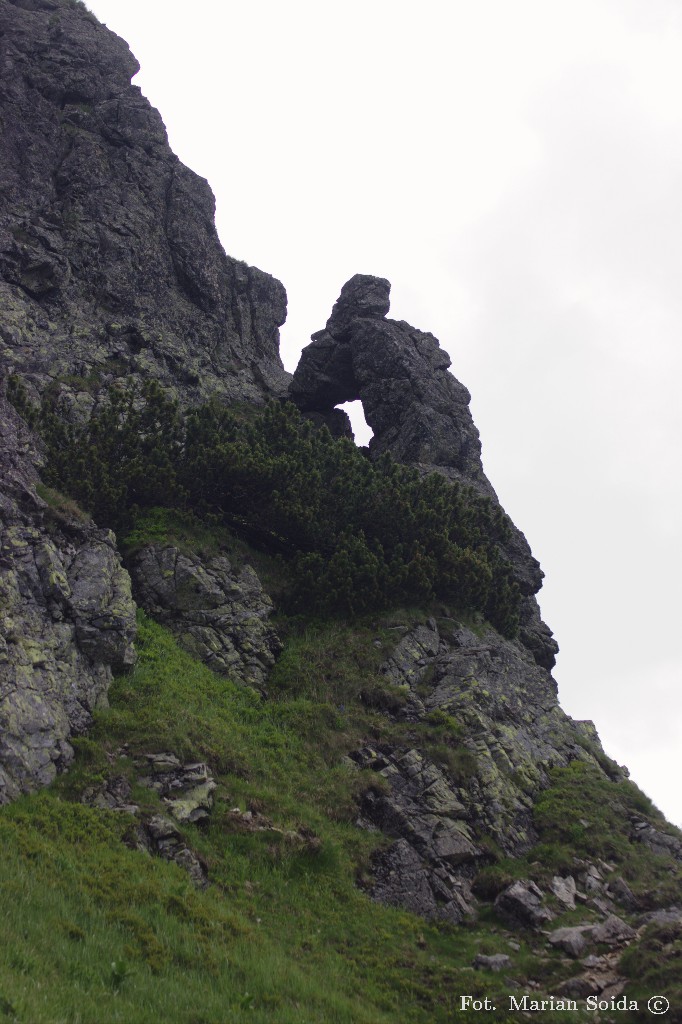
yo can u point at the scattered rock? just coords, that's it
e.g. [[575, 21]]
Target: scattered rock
[[661, 843], [160, 836], [572, 940], [592, 880], [521, 905], [254, 821], [603, 906], [187, 789], [113, 795], [497, 962], [602, 978], [564, 889], [622, 893], [593, 961], [671, 915], [613, 931]]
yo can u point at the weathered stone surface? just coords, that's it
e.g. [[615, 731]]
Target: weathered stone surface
[[613, 931], [418, 411], [187, 789], [110, 264], [658, 842], [619, 889], [497, 962], [573, 940], [521, 904], [564, 889], [160, 836], [67, 619], [601, 978], [431, 864], [510, 727], [401, 878], [219, 614], [669, 915], [114, 794]]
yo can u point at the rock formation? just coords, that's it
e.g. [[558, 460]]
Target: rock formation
[[110, 268], [510, 731], [67, 619], [110, 265], [418, 411], [218, 614]]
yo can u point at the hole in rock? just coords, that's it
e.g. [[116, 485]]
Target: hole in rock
[[361, 429]]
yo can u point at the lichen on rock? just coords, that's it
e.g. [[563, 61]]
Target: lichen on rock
[[67, 620], [218, 613]]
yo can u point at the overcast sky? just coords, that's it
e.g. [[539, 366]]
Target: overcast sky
[[514, 169]]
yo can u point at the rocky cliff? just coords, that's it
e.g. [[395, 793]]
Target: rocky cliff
[[111, 268], [296, 781], [110, 265], [67, 619]]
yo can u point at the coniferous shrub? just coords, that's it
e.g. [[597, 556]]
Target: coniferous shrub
[[358, 535]]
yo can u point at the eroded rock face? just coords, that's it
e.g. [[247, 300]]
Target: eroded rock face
[[67, 619], [427, 870], [187, 789], [418, 410], [110, 264], [218, 614], [502, 729], [512, 729]]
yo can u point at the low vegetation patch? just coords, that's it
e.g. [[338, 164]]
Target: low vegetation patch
[[356, 535]]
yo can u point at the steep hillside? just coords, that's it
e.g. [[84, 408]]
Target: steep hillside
[[279, 739]]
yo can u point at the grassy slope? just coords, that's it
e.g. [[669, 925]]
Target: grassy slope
[[95, 932]]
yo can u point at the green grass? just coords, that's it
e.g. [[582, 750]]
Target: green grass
[[96, 931]]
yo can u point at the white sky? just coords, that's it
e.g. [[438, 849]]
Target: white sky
[[514, 169]]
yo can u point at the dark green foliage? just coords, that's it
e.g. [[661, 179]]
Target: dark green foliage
[[357, 535]]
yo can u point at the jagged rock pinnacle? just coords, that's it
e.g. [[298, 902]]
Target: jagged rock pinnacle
[[419, 411]]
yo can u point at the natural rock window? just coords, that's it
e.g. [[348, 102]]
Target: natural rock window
[[362, 432]]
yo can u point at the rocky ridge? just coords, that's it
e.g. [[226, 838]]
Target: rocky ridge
[[110, 268], [110, 265], [418, 410]]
